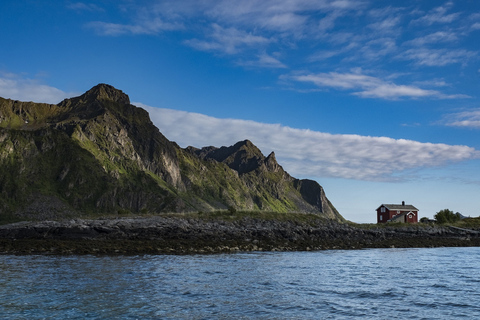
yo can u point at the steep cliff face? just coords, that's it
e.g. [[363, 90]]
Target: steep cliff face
[[270, 187], [97, 153], [120, 131]]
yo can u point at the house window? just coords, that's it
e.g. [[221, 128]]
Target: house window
[[382, 209], [381, 217], [410, 216]]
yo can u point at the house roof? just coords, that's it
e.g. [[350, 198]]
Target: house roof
[[399, 207]]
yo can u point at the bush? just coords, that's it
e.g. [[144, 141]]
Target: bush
[[446, 215], [123, 212]]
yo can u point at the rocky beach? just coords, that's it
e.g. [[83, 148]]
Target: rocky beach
[[185, 235]]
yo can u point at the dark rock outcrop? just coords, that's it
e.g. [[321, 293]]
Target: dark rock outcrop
[[169, 234]]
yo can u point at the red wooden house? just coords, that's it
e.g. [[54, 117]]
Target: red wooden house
[[397, 213]]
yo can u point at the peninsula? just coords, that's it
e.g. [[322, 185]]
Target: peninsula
[[93, 175]]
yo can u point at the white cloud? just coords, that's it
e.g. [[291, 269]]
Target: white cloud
[[438, 82], [81, 6], [244, 21], [291, 16], [369, 87], [153, 26], [350, 31], [306, 153], [466, 119], [328, 22], [437, 57], [227, 40], [377, 48], [324, 55], [16, 88], [264, 61], [387, 25], [393, 91], [436, 37], [438, 15]]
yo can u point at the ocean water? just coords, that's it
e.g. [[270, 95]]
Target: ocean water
[[436, 283]]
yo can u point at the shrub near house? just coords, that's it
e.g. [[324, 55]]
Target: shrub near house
[[446, 215], [397, 213]]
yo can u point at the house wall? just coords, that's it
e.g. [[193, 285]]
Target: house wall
[[412, 217], [387, 215], [381, 217]]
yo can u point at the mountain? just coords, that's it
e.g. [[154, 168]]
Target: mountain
[[98, 154]]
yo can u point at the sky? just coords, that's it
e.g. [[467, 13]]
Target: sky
[[378, 101]]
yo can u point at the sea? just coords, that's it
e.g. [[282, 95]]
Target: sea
[[426, 283]]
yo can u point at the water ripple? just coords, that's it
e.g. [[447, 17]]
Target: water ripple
[[440, 283]]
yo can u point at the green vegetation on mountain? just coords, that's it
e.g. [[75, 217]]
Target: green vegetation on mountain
[[98, 154]]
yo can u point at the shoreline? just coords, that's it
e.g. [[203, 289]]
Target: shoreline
[[178, 235]]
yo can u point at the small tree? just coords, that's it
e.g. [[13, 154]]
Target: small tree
[[446, 215], [424, 220]]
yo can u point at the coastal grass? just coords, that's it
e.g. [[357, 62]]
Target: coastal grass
[[233, 215], [369, 226], [467, 223], [7, 218], [230, 215]]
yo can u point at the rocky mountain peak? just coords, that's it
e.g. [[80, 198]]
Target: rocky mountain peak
[[104, 91], [271, 163], [248, 148], [243, 156]]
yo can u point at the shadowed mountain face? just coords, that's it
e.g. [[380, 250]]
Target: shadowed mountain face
[[97, 154]]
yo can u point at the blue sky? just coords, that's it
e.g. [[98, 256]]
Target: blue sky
[[376, 100]]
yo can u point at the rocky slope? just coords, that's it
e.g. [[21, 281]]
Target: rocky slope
[[97, 154]]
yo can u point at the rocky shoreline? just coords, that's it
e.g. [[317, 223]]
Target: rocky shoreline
[[180, 235]]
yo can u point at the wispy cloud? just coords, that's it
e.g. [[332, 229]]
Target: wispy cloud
[[17, 88], [295, 17], [366, 86], [437, 57], [264, 61], [465, 119], [232, 24], [432, 38], [292, 17], [376, 49], [388, 25], [146, 27], [82, 6], [227, 40], [438, 15], [307, 33], [439, 82], [306, 153]]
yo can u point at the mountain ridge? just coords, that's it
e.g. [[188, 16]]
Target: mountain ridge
[[97, 153]]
